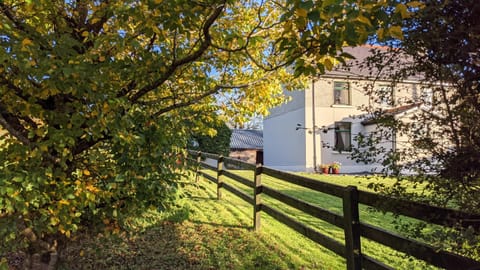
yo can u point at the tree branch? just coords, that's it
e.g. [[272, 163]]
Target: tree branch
[[196, 99], [187, 59], [20, 135]]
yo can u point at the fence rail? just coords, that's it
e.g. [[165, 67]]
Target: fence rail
[[353, 228]]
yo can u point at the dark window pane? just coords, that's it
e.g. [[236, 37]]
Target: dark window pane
[[343, 136]]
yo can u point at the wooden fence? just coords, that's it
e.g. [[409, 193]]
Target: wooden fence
[[349, 221]]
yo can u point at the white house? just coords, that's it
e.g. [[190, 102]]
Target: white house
[[318, 125]]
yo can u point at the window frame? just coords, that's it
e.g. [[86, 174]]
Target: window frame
[[338, 88], [339, 131]]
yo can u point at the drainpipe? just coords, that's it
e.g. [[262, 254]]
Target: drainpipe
[[314, 127]]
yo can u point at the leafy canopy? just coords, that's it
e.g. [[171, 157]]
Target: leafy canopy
[[98, 98]]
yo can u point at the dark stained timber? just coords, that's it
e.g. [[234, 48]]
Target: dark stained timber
[[209, 177], [306, 207], [316, 185], [432, 214], [372, 264], [207, 166], [239, 163], [315, 236], [237, 192], [239, 179], [349, 221], [417, 249]]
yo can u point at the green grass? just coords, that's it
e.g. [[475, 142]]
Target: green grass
[[206, 233], [317, 255], [203, 233]]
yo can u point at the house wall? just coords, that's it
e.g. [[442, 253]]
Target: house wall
[[289, 149], [296, 102], [327, 113], [283, 146]]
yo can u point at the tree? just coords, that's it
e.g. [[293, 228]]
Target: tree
[[216, 142], [440, 46], [98, 97]]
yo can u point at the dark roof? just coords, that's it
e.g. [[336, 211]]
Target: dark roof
[[358, 68], [246, 139]]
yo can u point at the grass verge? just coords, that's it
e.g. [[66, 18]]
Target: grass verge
[[206, 233], [203, 233]]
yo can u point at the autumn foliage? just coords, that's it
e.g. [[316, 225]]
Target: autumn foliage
[[98, 98]]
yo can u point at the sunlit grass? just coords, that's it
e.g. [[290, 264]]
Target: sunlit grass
[[206, 233], [317, 255], [201, 233]]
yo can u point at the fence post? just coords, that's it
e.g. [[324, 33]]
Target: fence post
[[197, 169], [256, 197], [219, 176], [352, 228]]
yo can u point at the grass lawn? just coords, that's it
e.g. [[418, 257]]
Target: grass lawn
[[205, 233], [313, 254]]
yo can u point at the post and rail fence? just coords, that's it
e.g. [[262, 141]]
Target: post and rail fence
[[350, 222]]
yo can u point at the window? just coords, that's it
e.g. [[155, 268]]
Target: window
[[341, 93], [427, 97], [385, 95], [343, 135]]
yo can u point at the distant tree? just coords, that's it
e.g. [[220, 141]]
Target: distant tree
[[217, 142], [441, 46], [99, 97]]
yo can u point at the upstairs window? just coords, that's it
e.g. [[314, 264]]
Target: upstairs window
[[341, 93], [343, 136], [427, 97]]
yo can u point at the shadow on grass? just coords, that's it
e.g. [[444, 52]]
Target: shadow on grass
[[198, 198], [222, 225], [177, 240]]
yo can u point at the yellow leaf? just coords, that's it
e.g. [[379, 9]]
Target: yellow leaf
[[64, 202], [26, 42], [158, 1], [301, 12], [416, 4], [402, 9], [54, 220], [328, 64], [105, 106], [92, 189], [95, 20], [364, 20], [101, 58], [380, 33], [85, 34], [396, 32], [86, 172]]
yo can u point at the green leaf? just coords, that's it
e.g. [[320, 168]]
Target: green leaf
[[18, 179]]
